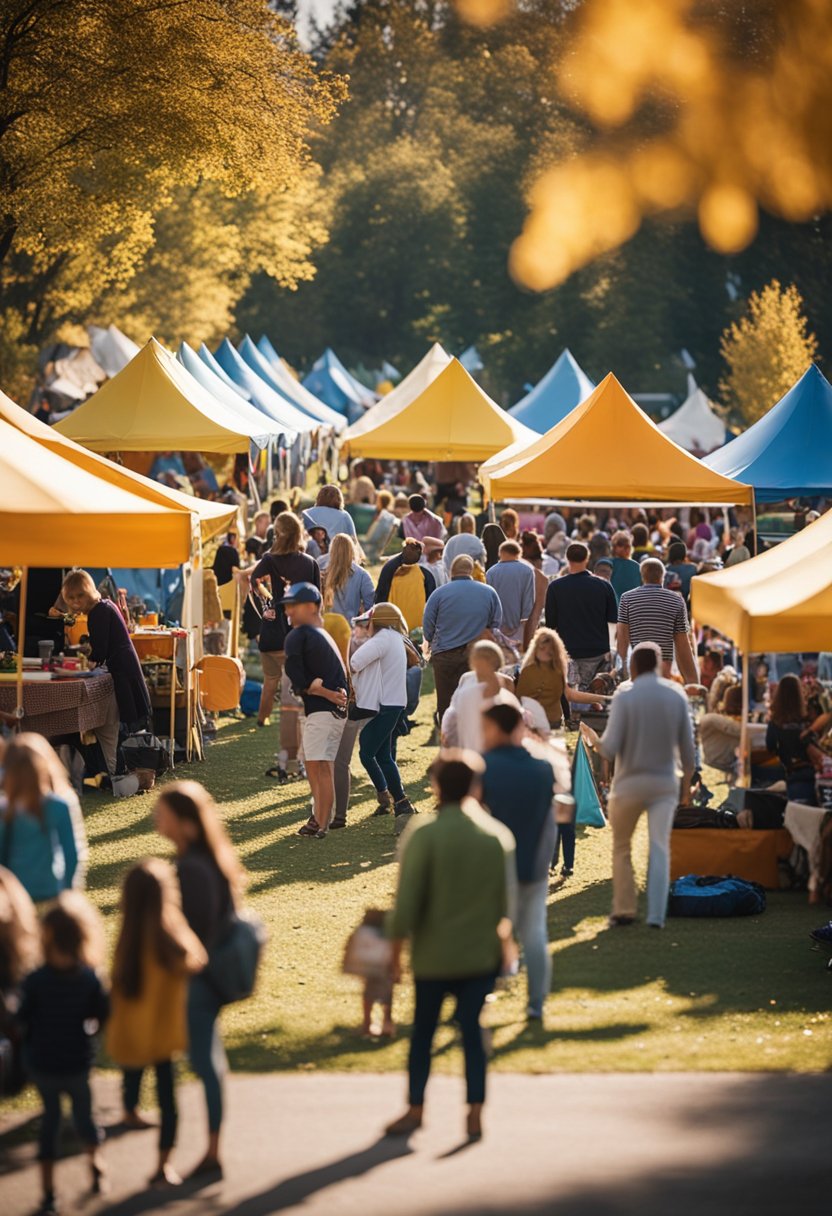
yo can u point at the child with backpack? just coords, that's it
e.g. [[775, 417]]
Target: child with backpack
[[155, 954], [63, 1005]]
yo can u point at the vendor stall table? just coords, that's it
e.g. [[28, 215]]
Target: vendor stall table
[[171, 649], [62, 707]]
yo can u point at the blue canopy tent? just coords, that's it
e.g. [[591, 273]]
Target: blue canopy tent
[[788, 452], [210, 362], [263, 396], [282, 381], [471, 360], [564, 386], [208, 378], [330, 381]]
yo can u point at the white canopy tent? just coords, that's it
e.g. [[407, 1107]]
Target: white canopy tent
[[695, 426], [111, 349]]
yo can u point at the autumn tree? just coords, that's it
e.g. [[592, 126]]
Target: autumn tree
[[110, 112], [766, 351]]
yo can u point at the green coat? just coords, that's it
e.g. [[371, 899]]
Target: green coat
[[456, 883]]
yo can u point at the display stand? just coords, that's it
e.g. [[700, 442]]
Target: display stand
[[161, 648]]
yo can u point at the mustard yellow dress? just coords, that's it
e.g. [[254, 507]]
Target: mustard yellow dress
[[152, 1027]]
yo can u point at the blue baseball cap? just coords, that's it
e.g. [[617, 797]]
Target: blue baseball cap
[[301, 593]]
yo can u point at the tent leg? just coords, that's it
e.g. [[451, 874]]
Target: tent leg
[[754, 522], [21, 641], [745, 765], [492, 514]]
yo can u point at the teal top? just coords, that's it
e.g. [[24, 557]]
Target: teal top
[[41, 853], [456, 883]]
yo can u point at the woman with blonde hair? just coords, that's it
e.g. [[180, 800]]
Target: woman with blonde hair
[[19, 954], [211, 881], [112, 647], [382, 528], [38, 840], [348, 589], [379, 673], [155, 954], [543, 677], [284, 564]]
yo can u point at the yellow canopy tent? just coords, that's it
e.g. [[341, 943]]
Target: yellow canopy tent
[[213, 517], [780, 601], [155, 405], [607, 450], [53, 513], [452, 419]]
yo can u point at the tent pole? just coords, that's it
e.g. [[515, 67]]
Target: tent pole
[[754, 520], [745, 767], [21, 641]]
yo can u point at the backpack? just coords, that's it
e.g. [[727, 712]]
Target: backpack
[[235, 958], [714, 896], [407, 592], [250, 699]]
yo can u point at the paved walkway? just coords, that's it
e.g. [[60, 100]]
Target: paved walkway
[[622, 1145]]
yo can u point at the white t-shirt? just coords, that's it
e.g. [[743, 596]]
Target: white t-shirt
[[379, 670]]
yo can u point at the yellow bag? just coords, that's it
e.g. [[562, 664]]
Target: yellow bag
[[407, 592]]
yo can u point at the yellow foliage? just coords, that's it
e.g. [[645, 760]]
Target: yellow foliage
[[767, 351], [744, 97], [110, 110]]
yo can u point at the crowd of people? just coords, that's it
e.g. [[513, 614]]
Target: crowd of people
[[527, 622]]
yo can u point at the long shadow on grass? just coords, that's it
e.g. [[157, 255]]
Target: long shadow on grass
[[282, 1051], [745, 964]]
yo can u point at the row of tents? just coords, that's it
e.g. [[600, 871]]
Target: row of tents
[[331, 394], [598, 442]]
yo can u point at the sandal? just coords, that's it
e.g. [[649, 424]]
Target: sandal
[[278, 773], [308, 829], [337, 823]]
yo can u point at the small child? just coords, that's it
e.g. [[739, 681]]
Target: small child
[[63, 1006], [369, 954], [155, 953]]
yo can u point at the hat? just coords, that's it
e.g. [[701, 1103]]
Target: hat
[[604, 561], [383, 614], [301, 593], [432, 544]]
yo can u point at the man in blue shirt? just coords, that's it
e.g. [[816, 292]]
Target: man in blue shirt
[[626, 575], [581, 607], [513, 581], [455, 616], [518, 789]]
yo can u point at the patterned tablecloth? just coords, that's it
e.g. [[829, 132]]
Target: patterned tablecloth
[[62, 707]]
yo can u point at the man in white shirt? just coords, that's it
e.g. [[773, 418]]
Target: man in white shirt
[[650, 738]]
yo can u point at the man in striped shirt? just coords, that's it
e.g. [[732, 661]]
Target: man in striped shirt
[[652, 613]]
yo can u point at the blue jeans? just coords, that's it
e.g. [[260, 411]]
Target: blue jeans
[[374, 748], [165, 1096], [76, 1086], [470, 996], [533, 935], [206, 1050], [413, 682]]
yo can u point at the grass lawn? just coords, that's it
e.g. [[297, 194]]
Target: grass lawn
[[737, 994]]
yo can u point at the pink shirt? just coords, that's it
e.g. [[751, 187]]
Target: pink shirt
[[424, 523]]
